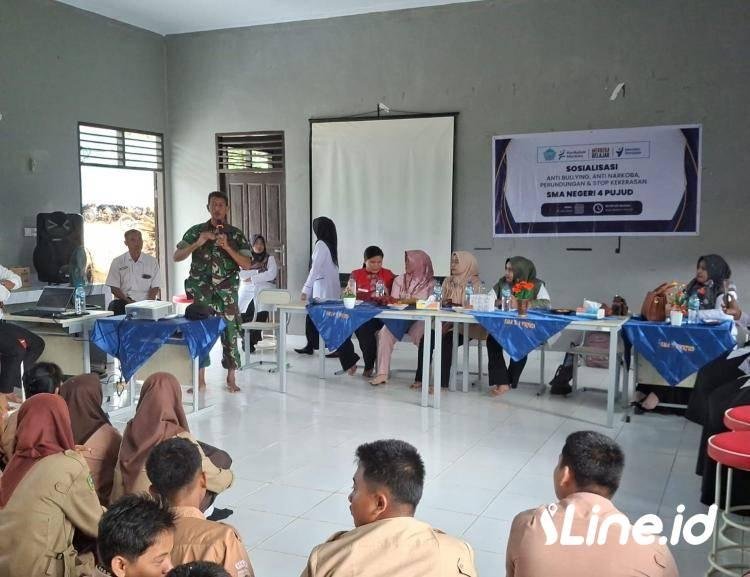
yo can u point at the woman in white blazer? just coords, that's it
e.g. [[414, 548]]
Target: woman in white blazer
[[323, 280]]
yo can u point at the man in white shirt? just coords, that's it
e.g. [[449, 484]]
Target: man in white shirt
[[133, 276], [17, 345]]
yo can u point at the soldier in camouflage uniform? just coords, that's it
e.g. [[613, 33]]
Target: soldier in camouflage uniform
[[218, 252]]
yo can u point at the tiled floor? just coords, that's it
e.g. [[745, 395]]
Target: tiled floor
[[487, 459]]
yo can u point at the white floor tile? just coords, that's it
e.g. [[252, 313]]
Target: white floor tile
[[507, 505], [257, 526], [276, 564], [300, 536], [285, 500], [491, 564], [449, 522], [334, 509], [488, 535], [459, 498]]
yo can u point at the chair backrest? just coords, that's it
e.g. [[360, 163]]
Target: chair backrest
[[273, 297]]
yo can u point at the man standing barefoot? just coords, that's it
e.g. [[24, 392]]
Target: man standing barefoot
[[218, 251]]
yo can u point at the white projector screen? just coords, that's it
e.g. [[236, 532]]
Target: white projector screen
[[387, 182]]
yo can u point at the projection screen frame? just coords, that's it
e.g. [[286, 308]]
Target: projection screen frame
[[355, 118]]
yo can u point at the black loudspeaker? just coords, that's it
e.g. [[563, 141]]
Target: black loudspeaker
[[58, 235]]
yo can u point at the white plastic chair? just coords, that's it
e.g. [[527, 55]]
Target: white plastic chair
[[272, 298]]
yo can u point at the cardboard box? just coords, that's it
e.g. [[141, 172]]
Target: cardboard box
[[24, 272]]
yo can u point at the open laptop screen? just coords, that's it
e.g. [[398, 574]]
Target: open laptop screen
[[55, 298]]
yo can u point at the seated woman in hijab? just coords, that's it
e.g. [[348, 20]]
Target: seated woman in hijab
[[47, 496], [505, 377], [464, 271], [367, 278], [92, 430], [417, 282], [261, 275], [712, 280], [159, 416], [323, 279]]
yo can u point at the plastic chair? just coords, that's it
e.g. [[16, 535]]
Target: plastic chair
[[272, 298]]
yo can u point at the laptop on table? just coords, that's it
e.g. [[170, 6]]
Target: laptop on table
[[53, 301]]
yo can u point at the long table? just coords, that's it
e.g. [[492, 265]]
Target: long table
[[300, 308], [434, 320], [60, 345], [611, 325]]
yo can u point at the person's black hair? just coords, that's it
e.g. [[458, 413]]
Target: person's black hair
[[371, 252], [130, 526], [325, 230], [596, 460], [42, 378], [218, 194], [718, 271], [396, 465], [172, 465], [198, 569]]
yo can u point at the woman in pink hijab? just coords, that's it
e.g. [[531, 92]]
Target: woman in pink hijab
[[417, 282]]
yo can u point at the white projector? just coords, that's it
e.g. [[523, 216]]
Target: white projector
[[148, 310]]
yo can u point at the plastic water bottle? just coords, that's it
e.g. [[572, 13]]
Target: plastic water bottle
[[694, 305], [79, 300], [379, 288], [468, 293], [482, 288], [505, 298], [438, 293]]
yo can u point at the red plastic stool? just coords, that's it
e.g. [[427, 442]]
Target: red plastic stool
[[731, 450], [737, 418]]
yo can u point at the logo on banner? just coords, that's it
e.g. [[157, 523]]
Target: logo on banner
[[600, 152], [550, 154], [619, 150]]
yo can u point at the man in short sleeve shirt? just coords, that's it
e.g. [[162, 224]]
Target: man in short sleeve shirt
[[133, 276], [219, 250]]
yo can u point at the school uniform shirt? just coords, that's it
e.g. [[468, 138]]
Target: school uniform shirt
[[53, 501], [366, 282], [7, 274], [323, 280], [101, 457], [528, 555], [254, 281], [217, 480], [197, 539], [397, 547], [134, 278]]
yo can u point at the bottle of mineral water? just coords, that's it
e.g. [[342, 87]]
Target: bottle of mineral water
[[505, 298], [694, 305], [468, 293], [79, 300], [380, 288]]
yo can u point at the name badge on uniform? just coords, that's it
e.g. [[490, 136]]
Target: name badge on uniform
[[146, 276], [124, 267]]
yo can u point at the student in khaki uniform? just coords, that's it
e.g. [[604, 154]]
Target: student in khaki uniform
[[46, 496], [174, 467], [159, 416], [135, 538], [586, 477], [92, 430], [40, 378], [387, 541]]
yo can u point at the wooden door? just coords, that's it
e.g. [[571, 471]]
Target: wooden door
[[251, 172]]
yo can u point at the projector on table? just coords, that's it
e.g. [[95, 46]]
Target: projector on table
[[148, 310]]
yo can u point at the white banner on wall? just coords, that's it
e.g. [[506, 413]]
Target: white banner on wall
[[617, 182]]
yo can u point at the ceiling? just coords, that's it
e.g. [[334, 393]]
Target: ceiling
[[179, 16]]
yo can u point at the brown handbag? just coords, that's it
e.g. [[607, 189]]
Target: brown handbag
[[654, 306]]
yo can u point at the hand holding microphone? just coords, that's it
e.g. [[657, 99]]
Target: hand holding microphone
[[221, 236]]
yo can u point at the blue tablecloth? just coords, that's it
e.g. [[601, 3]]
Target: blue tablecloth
[[133, 342], [336, 323], [678, 352], [521, 335]]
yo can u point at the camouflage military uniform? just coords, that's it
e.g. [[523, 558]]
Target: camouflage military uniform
[[214, 280]]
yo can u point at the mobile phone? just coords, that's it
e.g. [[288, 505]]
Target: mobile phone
[[726, 293]]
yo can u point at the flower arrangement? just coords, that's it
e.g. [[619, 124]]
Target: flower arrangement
[[523, 290], [348, 293], [678, 299]]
